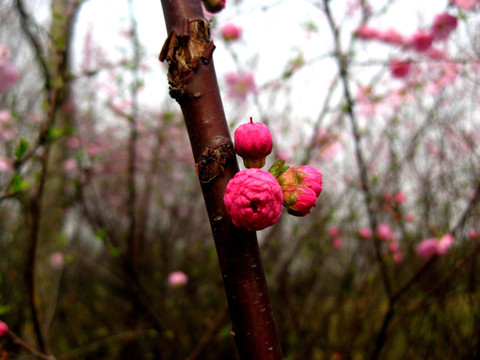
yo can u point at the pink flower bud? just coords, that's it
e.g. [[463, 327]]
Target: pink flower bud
[[427, 248], [240, 85], [231, 32], [253, 198], [465, 4], [301, 186], [398, 257], [56, 260], [409, 217], [304, 175], [8, 76], [445, 243], [333, 232], [473, 234], [312, 179], [299, 200], [177, 279], [214, 6], [421, 41], [3, 329], [393, 246], [384, 232], [434, 246], [365, 233], [392, 37], [253, 142], [337, 243], [400, 198], [366, 32], [399, 69], [443, 25]]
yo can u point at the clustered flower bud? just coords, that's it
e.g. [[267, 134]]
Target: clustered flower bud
[[301, 186], [254, 197], [434, 246], [253, 142]]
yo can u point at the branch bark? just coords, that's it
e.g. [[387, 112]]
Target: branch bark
[[193, 84]]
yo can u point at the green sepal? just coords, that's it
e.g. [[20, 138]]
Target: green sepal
[[278, 168]]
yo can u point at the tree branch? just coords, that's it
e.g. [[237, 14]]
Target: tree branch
[[193, 84]]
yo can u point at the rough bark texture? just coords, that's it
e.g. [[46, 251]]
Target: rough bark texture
[[193, 84]]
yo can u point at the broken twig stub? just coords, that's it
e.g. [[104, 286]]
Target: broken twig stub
[[183, 53]]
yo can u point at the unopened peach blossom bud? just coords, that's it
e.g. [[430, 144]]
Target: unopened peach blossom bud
[[177, 279], [253, 198], [253, 142], [301, 185], [3, 329]]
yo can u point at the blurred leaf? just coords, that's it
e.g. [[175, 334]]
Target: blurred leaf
[[58, 16], [114, 250], [54, 133], [19, 185], [4, 309], [21, 148], [101, 234]]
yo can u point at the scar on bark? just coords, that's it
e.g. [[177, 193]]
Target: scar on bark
[[183, 53], [213, 159]]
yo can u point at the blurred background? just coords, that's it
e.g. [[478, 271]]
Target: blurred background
[[106, 250]]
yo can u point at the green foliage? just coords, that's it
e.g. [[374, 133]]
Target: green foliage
[[21, 149], [19, 185]]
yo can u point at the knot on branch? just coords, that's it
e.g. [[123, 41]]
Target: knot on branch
[[212, 160], [184, 51]]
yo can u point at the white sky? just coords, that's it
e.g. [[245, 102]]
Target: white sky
[[274, 35]]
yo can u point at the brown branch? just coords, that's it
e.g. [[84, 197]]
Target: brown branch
[[209, 334], [133, 245], [17, 340], [193, 84]]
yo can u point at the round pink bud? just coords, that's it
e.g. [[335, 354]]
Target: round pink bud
[[365, 233], [473, 234], [3, 329], [445, 243], [214, 6], [334, 232], [465, 4], [398, 257], [421, 41], [299, 200], [384, 232], [253, 198], [366, 32], [398, 68], [177, 279], [443, 25], [253, 142], [400, 198], [231, 32], [427, 248]]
